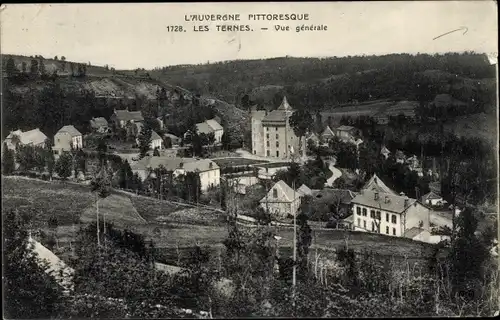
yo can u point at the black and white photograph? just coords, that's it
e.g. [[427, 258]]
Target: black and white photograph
[[250, 160]]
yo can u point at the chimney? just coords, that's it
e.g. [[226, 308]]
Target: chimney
[[376, 195], [386, 200], [181, 165], [406, 202], [210, 165]]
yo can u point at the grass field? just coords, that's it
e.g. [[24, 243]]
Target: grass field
[[167, 224]]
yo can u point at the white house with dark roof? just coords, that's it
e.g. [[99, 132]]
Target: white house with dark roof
[[33, 137], [208, 171], [121, 117], [388, 214], [281, 201], [67, 138]]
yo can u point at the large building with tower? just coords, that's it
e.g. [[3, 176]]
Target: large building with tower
[[272, 134]]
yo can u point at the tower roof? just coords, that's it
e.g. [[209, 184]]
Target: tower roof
[[285, 105]]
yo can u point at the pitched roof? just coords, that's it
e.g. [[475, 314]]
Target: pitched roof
[[400, 154], [34, 136], [70, 130], [346, 128], [203, 127], [430, 196], [304, 190], [328, 132], [155, 136], [171, 136], [172, 164], [285, 193], [285, 105], [395, 203], [413, 232], [375, 183], [62, 272], [385, 150], [214, 124], [125, 115], [98, 122], [313, 136]]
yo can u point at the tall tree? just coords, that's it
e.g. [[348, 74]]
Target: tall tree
[[145, 139], [101, 186], [301, 122], [10, 68], [64, 165]]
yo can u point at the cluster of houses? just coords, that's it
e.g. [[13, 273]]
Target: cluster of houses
[[375, 208]]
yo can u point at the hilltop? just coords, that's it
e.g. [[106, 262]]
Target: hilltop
[[82, 91]]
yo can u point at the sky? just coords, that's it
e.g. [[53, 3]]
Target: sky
[[128, 36]]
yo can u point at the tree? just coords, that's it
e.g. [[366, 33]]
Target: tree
[[26, 157], [125, 176], [226, 140], [10, 68], [156, 152], [101, 186], [8, 161], [301, 122], [63, 58], [64, 165], [167, 142], [304, 239], [30, 290], [41, 67], [145, 139], [24, 67]]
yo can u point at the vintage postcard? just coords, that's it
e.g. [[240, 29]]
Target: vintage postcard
[[222, 160]]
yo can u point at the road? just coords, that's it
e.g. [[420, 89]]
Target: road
[[336, 173]]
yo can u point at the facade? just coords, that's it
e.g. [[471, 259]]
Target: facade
[[272, 135], [208, 171], [347, 133], [327, 134], [266, 173], [33, 137], [67, 138], [99, 125], [133, 129], [388, 214], [121, 117], [174, 139], [156, 141], [281, 201], [211, 126], [418, 234]]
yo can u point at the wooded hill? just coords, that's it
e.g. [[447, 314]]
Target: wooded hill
[[50, 93]]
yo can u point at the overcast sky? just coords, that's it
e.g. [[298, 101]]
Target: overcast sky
[[135, 35]]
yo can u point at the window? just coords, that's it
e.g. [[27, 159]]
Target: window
[[378, 215], [373, 226], [387, 230], [387, 218], [359, 222], [275, 193], [254, 152], [268, 153], [277, 136], [277, 154], [364, 224], [372, 213], [267, 144], [275, 128], [364, 212], [394, 218], [267, 128], [358, 211], [267, 135], [277, 144], [394, 231]]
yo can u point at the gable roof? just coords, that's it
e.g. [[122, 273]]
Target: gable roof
[[385, 150], [214, 124], [395, 204], [203, 127], [125, 115], [171, 136], [346, 128], [413, 232], [285, 193], [375, 183], [280, 114], [34, 136], [70, 130], [431, 196], [313, 136], [304, 190], [328, 132], [155, 136], [98, 122], [344, 195]]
